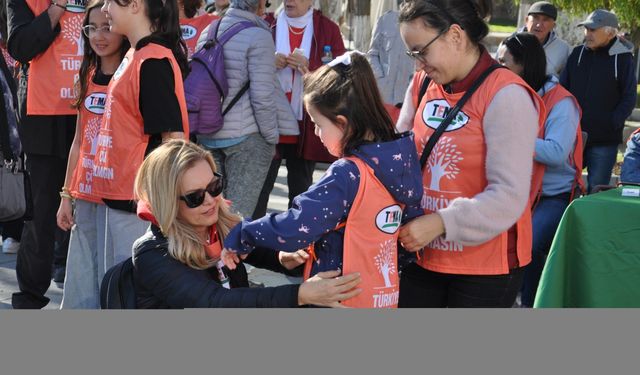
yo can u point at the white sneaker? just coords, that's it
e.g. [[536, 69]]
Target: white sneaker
[[10, 246]]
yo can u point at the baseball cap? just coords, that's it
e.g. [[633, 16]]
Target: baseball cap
[[544, 7], [600, 18]]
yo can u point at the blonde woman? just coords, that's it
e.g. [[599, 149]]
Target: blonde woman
[[176, 261]]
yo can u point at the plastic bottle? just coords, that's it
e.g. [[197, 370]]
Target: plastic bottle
[[327, 56]]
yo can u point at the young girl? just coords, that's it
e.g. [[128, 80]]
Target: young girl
[[145, 105], [85, 262], [377, 176]]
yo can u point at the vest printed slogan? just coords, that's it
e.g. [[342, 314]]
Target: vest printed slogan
[[385, 261], [435, 112], [52, 92], [388, 219]]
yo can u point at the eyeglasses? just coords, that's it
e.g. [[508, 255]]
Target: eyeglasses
[[90, 30], [195, 198], [420, 55]]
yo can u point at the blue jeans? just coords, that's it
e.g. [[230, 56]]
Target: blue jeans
[[544, 222], [599, 161]]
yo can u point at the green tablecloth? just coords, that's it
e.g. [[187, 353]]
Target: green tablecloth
[[594, 260]]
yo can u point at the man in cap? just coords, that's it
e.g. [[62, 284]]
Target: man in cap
[[541, 21], [600, 74]]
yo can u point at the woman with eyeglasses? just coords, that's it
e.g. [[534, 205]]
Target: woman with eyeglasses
[[475, 236], [177, 262], [558, 150], [85, 262]]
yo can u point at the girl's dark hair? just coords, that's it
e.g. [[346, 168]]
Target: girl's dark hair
[[165, 26], [90, 60], [528, 52], [4, 30], [441, 14], [350, 91], [191, 7]]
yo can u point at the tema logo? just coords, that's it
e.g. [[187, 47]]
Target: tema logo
[[388, 219], [95, 102], [76, 6], [435, 112], [188, 31]]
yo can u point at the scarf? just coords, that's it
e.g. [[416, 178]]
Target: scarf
[[294, 86]]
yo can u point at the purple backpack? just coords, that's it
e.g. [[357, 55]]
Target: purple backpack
[[206, 85]]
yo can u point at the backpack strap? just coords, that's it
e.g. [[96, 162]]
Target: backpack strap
[[453, 113], [224, 38], [423, 89]]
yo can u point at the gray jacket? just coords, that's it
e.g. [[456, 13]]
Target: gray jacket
[[557, 52], [391, 66], [251, 55]]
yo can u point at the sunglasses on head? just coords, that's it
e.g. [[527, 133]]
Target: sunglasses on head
[[195, 198]]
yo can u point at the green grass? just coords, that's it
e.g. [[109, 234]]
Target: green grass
[[502, 26]]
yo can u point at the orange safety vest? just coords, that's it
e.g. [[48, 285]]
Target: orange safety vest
[[456, 169], [370, 242], [551, 98], [89, 118], [122, 142], [192, 28], [53, 73]]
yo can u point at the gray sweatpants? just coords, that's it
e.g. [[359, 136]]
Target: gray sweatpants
[[100, 238], [245, 167]]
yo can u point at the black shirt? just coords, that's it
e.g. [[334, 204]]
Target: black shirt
[[29, 36]]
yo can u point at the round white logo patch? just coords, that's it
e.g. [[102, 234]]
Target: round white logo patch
[[95, 102], [435, 112], [389, 218], [188, 31]]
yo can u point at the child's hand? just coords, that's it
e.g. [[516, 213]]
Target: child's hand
[[229, 258], [292, 260]]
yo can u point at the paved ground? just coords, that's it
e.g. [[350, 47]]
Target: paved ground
[[277, 202]]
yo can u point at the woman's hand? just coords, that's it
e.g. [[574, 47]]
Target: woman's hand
[[281, 61], [230, 258], [328, 289], [292, 260], [297, 61], [420, 231], [64, 217]]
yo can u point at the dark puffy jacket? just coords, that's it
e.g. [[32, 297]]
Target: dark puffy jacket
[[162, 282], [604, 83]]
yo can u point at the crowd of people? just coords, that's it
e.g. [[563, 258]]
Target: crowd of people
[[450, 169]]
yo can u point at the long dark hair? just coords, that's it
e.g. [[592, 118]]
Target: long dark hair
[[90, 60], [165, 26], [441, 14], [191, 7], [528, 52], [350, 91]]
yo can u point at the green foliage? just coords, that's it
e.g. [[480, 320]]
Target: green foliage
[[628, 11]]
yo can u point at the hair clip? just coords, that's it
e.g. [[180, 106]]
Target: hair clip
[[344, 59]]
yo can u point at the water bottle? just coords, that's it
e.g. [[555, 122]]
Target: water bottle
[[224, 279], [327, 56]]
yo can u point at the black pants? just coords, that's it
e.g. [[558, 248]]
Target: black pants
[[12, 229], [423, 288], [36, 254], [299, 177]]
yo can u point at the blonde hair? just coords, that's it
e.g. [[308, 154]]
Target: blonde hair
[[158, 183]]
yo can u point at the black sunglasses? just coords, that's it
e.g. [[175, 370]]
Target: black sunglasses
[[195, 198]]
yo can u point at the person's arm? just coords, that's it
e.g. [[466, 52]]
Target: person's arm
[[314, 213], [30, 35], [157, 85], [509, 162], [64, 217], [631, 166], [270, 260], [408, 111], [374, 50], [565, 76], [180, 286], [628, 85], [559, 134], [261, 68]]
